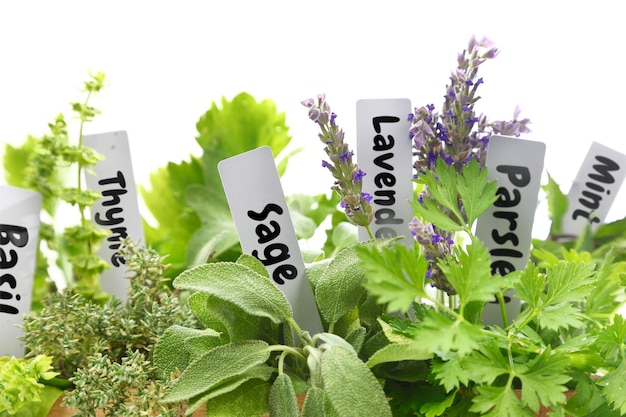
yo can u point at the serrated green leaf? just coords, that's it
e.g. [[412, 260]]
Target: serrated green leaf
[[498, 402], [477, 194], [442, 186], [451, 372], [469, 272], [430, 212], [283, 398], [440, 333], [350, 386], [560, 316], [487, 364], [217, 366], [543, 380], [340, 288], [395, 275], [611, 341], [613, 387], [439, 408], [239, 285]]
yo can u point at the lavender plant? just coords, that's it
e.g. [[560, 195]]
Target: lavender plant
[[348, 176], [456, 134]]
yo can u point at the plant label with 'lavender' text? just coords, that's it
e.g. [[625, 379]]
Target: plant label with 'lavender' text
[[19, 239], [118, 209], [594, 189], [265, 229], [384, 153], [506, 227]]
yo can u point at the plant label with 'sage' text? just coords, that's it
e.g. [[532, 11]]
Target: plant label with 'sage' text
[[19, 239], [259, 209], [594, 189], [385, 153], [118, 209], [506, 227]]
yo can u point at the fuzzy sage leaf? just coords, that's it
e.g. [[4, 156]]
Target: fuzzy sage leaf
[[350, 386], [283, 398], [250, 291], [216, 367]]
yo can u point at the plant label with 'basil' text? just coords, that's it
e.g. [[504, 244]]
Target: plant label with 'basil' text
[[594, 189], [118, 209], [506, 227], [257, 203], [384, 153], [19, 239]]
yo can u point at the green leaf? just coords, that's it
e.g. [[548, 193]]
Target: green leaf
[[248, 399], [451, 372], [440, 333], [557, 206], [340, 287], [350, 386], [469, 272], [217, 366], [396, 352], [477, 194], [498, 402], [261, 372], [430, 211], [543, 380], [614, 386], [313, 405], [283, 398], [175, 220], [442, 186], [395, 275], [239, 285], [171, 353], [611, 341]]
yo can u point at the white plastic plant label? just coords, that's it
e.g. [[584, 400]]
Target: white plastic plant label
[[594, 189], [19, 238], [118, 209], [506, 227], [384, 153], [257, 203]]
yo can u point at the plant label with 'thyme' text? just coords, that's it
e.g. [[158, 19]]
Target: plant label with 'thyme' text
[[118, 209]]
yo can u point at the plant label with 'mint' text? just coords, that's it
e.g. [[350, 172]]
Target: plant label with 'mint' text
[[118, 209], [594, 189], [506, 227], [259, 209], [384, 153], [19, 239]]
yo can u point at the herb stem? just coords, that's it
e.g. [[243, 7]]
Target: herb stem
[[288, 349], [503, 313]]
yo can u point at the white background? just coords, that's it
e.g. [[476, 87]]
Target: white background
[[167, 61]]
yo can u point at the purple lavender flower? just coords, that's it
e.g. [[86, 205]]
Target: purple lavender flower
[[348, 176]]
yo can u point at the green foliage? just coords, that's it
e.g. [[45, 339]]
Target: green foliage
[[568, 330], [22, 384], [248, 344], [53, 166]]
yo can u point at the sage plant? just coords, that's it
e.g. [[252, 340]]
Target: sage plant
[[348, 176], [455, 134]]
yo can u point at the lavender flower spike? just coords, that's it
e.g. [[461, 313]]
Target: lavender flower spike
[[348, 176]]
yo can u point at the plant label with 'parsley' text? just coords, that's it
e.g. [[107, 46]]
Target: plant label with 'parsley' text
[[265, 229], [594, 189], [385, 153], [19, 239], [506, 227], [118, 209]]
